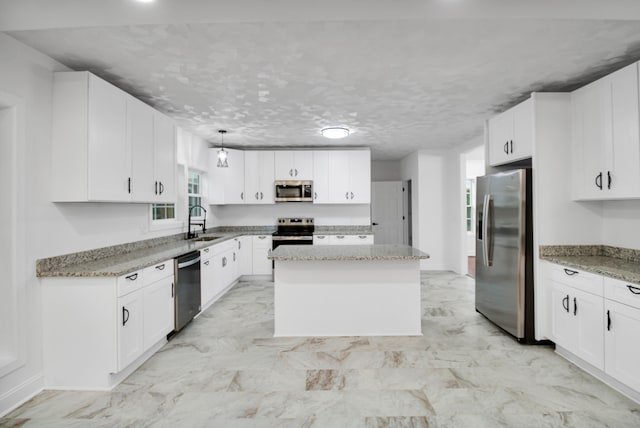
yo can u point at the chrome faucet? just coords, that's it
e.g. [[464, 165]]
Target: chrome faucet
[[203, 224]]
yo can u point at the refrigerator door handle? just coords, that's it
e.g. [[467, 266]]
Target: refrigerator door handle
[[486, 244]]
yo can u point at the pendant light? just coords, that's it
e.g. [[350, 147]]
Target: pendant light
[[222, 153]]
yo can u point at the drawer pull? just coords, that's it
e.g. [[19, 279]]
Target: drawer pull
[[340, 236], [362, 236], [320, 237], [261, 237], [132, 277], [634, 290], [570, 272], [160, 267]]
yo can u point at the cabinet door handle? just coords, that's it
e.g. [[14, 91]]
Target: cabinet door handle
[[172, 292], [511, 146], [234, 256], [565, 303], [160, 267], [239, 244], [132, 277], [129, 185], [570, 272], [634, 290], [224, 261], [315, 195], [156, 191], [161, 187], [242, 195], [608, 179], [351, 195], [575, 306], [257, 195], [598, 181], [296, 172], [506, 147], [261, 195], [608, 320], [291, 173], [346, 195], [125, 316]]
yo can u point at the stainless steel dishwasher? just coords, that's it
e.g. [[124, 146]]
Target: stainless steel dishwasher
[[187, 295]]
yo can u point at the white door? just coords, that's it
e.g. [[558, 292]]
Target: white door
[[360, 177], [140, 136], [130, 328], [386, 212], [109, 153], [321, 177], [562, 321], [164, 158], [158, 311], [588, 313], [622, 324]]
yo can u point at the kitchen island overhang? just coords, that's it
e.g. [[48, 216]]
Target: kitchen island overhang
[[347, 290]]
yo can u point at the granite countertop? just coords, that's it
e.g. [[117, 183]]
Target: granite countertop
[[122, 259], [346, 252], [612, 262]]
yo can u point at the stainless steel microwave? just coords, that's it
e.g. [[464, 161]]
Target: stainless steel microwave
[[294, 191]]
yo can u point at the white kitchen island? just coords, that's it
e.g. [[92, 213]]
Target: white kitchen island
[[352, 290]]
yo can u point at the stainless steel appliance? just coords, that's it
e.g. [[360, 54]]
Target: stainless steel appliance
[[294, 191], [504, 252], [187, 288], [293, 231]]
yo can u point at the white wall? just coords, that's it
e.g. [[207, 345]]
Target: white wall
[[386, 170], [621, 224], [426, 172], [266, 215]]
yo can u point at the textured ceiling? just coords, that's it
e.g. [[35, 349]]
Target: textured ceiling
[[400, 86]]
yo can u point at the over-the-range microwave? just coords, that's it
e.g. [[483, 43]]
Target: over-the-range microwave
[[294, 191]]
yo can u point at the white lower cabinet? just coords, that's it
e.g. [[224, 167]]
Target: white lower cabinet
[[261, 248], [366, 239], [130, 328], [219, 269], [245, 255], [601, 327], [96, 330]]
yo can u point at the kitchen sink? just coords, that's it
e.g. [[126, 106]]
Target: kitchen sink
[[206, 238]]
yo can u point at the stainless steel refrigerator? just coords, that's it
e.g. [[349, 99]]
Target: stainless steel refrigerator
[[504, 252]]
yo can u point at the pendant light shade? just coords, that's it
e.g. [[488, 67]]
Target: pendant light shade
[[222, 153]]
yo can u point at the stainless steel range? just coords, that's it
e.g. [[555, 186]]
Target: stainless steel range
[[293, 231]]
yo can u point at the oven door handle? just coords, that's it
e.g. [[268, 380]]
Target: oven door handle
[[293, 238]]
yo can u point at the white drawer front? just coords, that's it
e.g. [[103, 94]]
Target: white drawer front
[[130, 282], [320, 240], [362, 239], [623, 292], [158, 271], [585, 281]]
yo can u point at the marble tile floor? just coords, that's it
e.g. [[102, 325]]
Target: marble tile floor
[[226, 370]]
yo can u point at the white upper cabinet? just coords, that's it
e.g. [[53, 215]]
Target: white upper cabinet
[[226, 185], [606, 138], [294, 165], [164, 158], [350, 176], [511, 134], [259, 177], [108, 146], [321, 177]]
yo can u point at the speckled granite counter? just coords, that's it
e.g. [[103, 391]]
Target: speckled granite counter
[[613, 262], [121, 259], [343, 230], [346, 252]]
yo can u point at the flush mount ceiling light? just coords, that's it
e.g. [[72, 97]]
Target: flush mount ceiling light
[[145, 1], [222, 153], [335, 132]]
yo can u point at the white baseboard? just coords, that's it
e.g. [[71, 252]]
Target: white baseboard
[[599, 374], [20, 394]]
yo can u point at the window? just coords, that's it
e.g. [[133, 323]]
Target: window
[[469, 204], [163, 212], [194, 190]]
